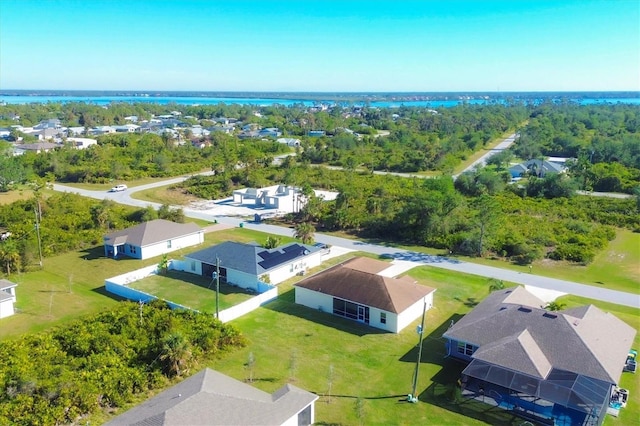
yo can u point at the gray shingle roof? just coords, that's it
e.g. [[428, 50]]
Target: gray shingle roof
[[4, 284], [252, 259], [585, 341], [212, 398], [4, 296], [152, 232], [349, 281]]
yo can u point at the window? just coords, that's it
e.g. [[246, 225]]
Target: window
[[168, 243], [351, 310], [383, 317], [466, 348], [132, 249], [193, 265]]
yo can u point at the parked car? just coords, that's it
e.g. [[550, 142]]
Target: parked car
[[118, 188]]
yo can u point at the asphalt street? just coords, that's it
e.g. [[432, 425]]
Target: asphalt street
[[453, 264]]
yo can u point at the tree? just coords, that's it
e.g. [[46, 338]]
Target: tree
[[304, 231], [271, 242], [251, 361], [555, 306], [163, 266], [176, 353], [487, 218], [495, 284], [10, 259]]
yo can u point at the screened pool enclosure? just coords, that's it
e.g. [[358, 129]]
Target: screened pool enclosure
[[562, 398]]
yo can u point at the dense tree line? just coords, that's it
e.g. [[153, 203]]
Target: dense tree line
[[604, 140], [508, 221], [102, 361], [419, 138], [66, 222]]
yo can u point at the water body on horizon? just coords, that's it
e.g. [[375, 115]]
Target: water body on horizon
[[197, 100]]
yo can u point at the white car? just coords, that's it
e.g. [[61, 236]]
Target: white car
[[118, 188]]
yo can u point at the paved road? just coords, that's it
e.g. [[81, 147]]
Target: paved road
[[592, 292], [506, 143]]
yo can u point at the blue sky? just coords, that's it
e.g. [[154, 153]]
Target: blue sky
[[510, 45]]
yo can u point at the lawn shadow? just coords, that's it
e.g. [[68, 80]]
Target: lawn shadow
[[102, 290], [433, 344], [471, 302], [285, 305], [206, 282], [92, 253]]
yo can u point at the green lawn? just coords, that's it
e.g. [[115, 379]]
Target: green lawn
[[617, 267], [192, 291], [366, 363], [378, 367], [72, 284]]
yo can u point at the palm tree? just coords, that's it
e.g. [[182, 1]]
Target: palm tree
[[495, 284], [9, 257], [271, 242], [176, 353], [304, 231], [555, 306]]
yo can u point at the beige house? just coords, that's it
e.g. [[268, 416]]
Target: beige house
[[354, 290]]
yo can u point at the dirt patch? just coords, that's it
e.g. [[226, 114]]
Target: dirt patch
[[217, 227]]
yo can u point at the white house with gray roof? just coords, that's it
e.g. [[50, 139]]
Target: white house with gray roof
[[212, 398], [152, 238], [245, 265], [552, 367], [7, 298]]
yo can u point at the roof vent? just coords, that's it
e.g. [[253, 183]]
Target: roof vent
[[524, 309], [549, 315]]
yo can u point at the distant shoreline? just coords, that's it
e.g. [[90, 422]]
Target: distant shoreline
[[326, 96]]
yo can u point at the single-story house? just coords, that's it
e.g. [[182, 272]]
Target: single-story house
[[152, 238], [212, 398], [289, 141], [82, 143], [37, 147], [272, 132], [245, 265], [7, 298], [538, 167], [354, 290], [548, 366]]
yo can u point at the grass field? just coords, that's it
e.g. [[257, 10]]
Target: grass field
[[72, 284], [348, 364], [617, 267], [192, 291], [15, 195], [165, 195], [343, 361]]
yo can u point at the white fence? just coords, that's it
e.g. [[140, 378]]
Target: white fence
[[249, 305], [119, 285]]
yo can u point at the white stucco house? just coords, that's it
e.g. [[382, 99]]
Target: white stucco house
[[354, 290], [279, 197], [7, 298], [152, 238], [212, 398], [82, 143], [245, 265]]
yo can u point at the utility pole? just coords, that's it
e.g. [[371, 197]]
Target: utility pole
[[38, 213], [412, 396]]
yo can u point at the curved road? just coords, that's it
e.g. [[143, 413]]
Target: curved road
[[592, 292]]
